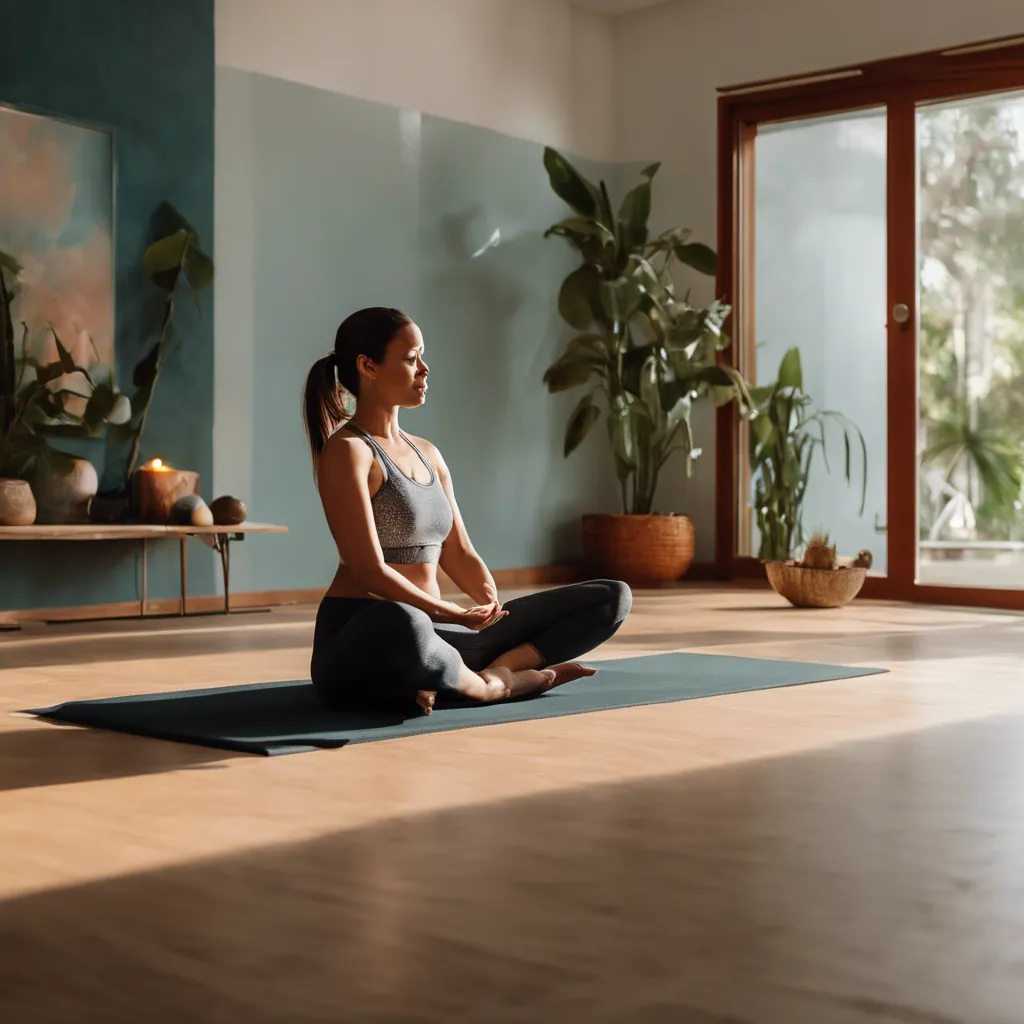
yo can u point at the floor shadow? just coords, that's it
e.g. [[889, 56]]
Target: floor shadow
[[85, 648], [57, 755], [639, 901]]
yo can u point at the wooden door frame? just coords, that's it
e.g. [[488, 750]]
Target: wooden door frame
[[899, 84]]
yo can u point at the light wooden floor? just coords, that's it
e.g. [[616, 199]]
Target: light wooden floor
[[829, 854]]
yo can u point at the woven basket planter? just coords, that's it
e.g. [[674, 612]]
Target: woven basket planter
[[815, 588], [637, 549]]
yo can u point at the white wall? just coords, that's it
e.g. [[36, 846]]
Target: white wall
[[534, 69], [671, 58]]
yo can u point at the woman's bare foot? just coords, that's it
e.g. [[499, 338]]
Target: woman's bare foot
[[568, 671], [425, 699], [503, 683]]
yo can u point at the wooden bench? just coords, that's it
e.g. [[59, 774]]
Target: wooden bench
[[217, 537]]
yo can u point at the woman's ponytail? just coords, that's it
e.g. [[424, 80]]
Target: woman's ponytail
[[323, 402], [366, 332]]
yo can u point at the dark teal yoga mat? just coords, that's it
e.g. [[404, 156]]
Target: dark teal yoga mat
[[284, 718]]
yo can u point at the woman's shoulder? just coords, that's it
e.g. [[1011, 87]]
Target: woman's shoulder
[[429, 450], [345, 445]]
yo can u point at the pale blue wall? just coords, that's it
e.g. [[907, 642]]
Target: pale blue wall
[[332, 203]]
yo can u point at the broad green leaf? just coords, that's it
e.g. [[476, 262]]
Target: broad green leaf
[[620, 298], [699, 256], [167, 253], [569, 372], [679, 412], [584, 416], [592, 345], [649, 393], [790, 373], [651, 170], [583, 227], [634, 213], [570, 186], [198, 269], [578, 295], [623, 442]]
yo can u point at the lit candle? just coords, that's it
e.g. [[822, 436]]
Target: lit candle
[[157, 487]]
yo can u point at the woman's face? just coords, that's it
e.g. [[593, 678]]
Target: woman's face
[[402, 378]]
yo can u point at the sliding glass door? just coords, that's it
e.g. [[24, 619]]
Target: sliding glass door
[[818, 262], [872, 219], [970, 157]]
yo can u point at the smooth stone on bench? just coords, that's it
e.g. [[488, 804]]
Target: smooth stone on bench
[[228, 510], [191, 510]]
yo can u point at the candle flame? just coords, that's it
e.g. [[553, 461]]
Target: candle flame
[[158, 465]]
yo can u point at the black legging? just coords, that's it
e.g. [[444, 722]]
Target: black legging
[[377, 654]]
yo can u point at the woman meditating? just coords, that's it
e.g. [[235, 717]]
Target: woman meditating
[[384, 638]]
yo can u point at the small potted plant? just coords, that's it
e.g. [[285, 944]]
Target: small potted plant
[[645, 356], [786, 429], [820, 579]]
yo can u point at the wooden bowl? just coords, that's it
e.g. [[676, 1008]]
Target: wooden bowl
[[815, 588]]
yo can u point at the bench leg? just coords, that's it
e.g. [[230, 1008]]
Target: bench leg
[[142, 597], [225, 565], [184, 573]]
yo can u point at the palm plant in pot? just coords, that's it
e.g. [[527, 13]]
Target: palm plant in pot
[[645, 354]]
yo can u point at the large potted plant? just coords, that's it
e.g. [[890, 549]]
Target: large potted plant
[[645, 354]]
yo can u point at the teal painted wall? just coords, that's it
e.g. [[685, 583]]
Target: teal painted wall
[[331, 203], [145, 70]]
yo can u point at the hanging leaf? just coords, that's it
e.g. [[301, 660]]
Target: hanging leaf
[[569, 372], [167, 253], [584, 416], [587, 345], [699, 256], [577, 298], [198, 269], [570, 186]]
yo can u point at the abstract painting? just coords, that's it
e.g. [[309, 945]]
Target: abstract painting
[[57, 221]]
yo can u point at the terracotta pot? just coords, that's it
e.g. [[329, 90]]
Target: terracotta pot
[[815, 588], [64, 493], [638, 549], [17, 505]]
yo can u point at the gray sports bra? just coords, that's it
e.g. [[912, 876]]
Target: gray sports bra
[[412, 519]]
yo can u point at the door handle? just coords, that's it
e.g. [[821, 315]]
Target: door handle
[[901, 314]]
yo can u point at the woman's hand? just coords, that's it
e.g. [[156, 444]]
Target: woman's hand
[[478, 617]]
